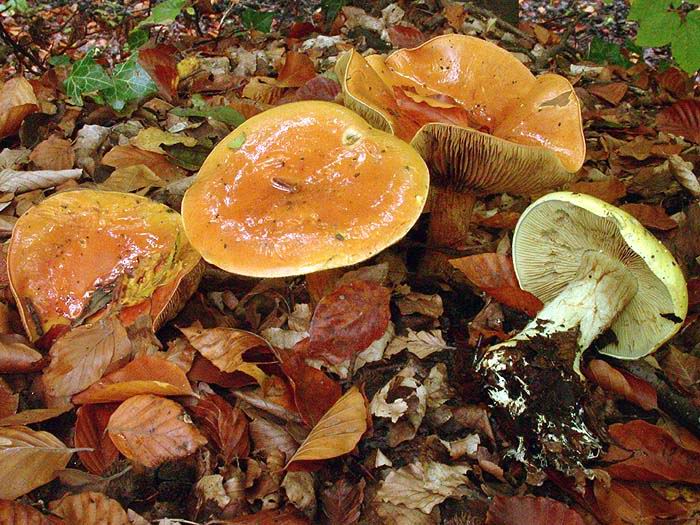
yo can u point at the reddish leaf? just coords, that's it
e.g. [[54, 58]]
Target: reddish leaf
[[318, 88], [125, 156], [298, 69], [654, 454], [503, 219], [224, 426], [91, 432], [16, 356], [623, 384], [651, 216], [271, 517], [518, 510], [683, 119], [405, 36], [342, 502], [348, 320], [160, 62], [16, 513], [693, 291], [625, 503], [301, 29], [494, 274], [204, 370], [674, 81], [683, 370], [272, 438], [607, 190], [612, 93], [17, 100]]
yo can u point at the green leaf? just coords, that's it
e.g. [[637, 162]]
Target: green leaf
[[186, 157], [658, 28], [260, 20], [641, 9], [237, 141], [86, 77], [223, 114], [137, 38], [129, 82], [163, 13], [332, 8], [633, 48], [686, 43], [59, 60], [602, 52]]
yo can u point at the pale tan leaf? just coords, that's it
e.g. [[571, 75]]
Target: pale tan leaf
[[83, 355], [420, 344], [16, 513], [150, 430], [17, 100], [36, 415], [28, 459], [54, 153], [683, 172], [150, 139], [13, 181], [132, 178], [89, 508]]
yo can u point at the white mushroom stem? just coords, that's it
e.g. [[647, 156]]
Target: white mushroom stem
[[601, 289]]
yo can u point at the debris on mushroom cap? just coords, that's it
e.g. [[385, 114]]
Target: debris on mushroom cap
[[303, 187], [559, 231], [78, 251]]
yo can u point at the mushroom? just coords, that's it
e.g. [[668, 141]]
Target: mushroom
[[300, 188], [480, 119], [78, 254]]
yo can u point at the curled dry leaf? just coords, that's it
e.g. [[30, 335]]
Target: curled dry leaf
[[150, 430], [625, 503], [16, 513], [271, 437], [91, 433], [296, 71], [348, 320], [89, 508], [53, 153], [494, 274], [683, 172], [28, 459], [13, 181], [17, 100], [299, 488], [682, 119], [224, 426], [623, 384], [419, 303], [124, 156], [160, 62], [337, 432], [421, 344], [423, 485], [342, 501], [36, 415], [515, 510], [83, 355], [149, 374], [16, 356], [653, 217]]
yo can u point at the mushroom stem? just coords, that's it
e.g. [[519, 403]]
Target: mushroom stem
[[450, 213], [601, 289]]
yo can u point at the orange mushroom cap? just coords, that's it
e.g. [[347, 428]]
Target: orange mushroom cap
[[78, 251], [481, 120], [303, 187]]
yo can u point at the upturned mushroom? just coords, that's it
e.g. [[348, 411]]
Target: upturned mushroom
[[77, 254], [483, 122], [300, 188]]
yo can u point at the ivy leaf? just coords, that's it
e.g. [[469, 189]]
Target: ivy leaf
[[59, 60], [137, 38], [332, 8], [163, 13], [258, 20], [685, 43], [601, 52], [129, 82], [223, 114], [86, 77]]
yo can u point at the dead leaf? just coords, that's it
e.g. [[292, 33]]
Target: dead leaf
[[263, 89], [150, 430], [683, 370], [625, 503], [623, 384], [53, 154], [348, 320], [151, 139], [421, 344], [125, 156], [683, 172], [337, 432], [16, 513], [35, 415], [91, 432], [516, 510], [342, 502], [271, 517], [299, 489], [13, 181], [651, 216], [296, 71], [160, 62], [401, 35], [418, 303], [89, 508], [682, 119], [17, 100], [131, 179], [674, 81], [423, 485], [455, 14], [224, 426], [494, 274], [9, 401], [613, 93], [144, 375], [271, 437], [542, 34], [28, 459], [607, 190], [16, 356], [83, 355], [318, 88]]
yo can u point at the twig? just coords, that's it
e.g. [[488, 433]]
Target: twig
[[19, 50], [563, 45], [500, 23]]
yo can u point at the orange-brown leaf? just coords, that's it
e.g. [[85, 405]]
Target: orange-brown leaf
[[16, 513], [271, 517], [9, 401], [625, 503], [518, 510], [160, 62], [623, 384], [91, 432], [342, 502], [675, 81], [144, 375], [298, 68], [318, 88], [494, 274], [337, 433], [225, 426], [683, 370], [53, 153], [89, 508], [651, 216], [607, 190], [35, 415], [150, 430], [17, 100], [683, 119], [612, 93], [16, 356], [125, 156], [401, 35]]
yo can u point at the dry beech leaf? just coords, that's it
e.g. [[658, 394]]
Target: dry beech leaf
[[28, 459], [124, 156], [419, 303], [318, 88], [494, 274], [53, 153], [674, 81], [150, 430], [623, 384], [16, 513], [271, 437], [17, 100], [653, 217], [91, 432], [517, 510], [149, 374], [607, 190], [12, 181], [342, 502], [151, 139], [299, 489], [9, 401], [624, 503], [160, 62], [337, 432], [89, 508], [423, 485], [421, 344], [131, 179], [405, 36], [83, 355], [36, 415], [683, 172], [271, 517], [296, 71], [224, 426], [348, 320], [612, 93], [683, 370], [682, 119], [16, 356]]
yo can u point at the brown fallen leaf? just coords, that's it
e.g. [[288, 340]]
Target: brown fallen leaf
[[318, 88], [607, 190], [16, 513], [626, 503], [517, 510], [16, 356], [224, 426], [83, 355], [651, 216], [9, 401], [401, 35], [150, 430], [28, 459], [337, 432], [35, 415], [89, 508], [53, 153], [271, 438], [623, 384], [682, 119], [144, 375], [613, 93], [124, 156], [271, 517], [91, 433], [298, 69], [160, 62], [494, 274], [17, 100], [683, 370], [675, 81]]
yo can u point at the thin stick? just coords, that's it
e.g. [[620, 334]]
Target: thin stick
[[19, 50], [500, 23]]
